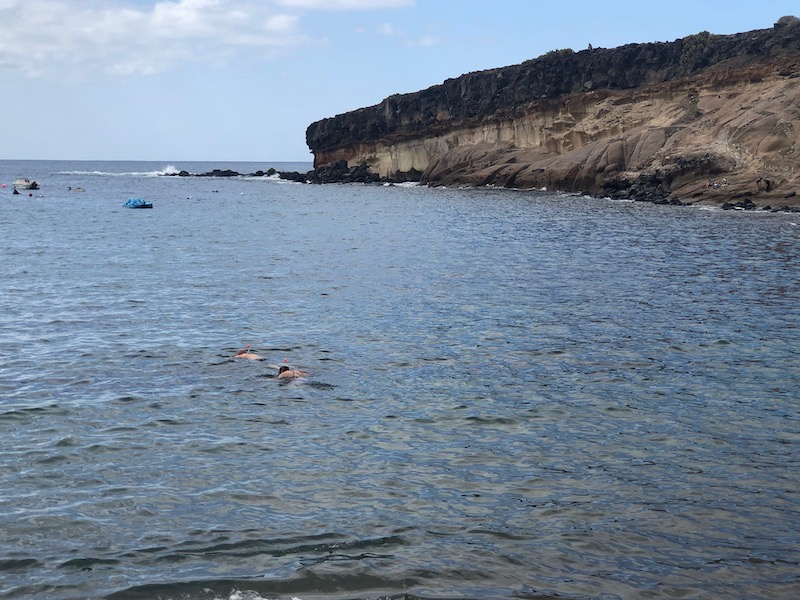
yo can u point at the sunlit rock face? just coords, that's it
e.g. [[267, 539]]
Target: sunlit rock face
[[705, 118]]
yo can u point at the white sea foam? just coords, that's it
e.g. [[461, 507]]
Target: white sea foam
[[276, 178], [245, 595], [273, 177], [168, 170], [404, 184]]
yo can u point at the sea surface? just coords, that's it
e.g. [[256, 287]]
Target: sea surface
[[510, 394]]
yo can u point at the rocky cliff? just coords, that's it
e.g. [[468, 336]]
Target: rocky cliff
[[706, 118]]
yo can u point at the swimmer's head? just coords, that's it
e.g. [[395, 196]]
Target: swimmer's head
[[283, 369], [240, 352]]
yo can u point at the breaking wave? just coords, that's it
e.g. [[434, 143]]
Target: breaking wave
[[167, 170]]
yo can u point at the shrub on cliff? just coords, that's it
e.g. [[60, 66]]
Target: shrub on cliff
[[559, 53], [787, 20], [696, 52]]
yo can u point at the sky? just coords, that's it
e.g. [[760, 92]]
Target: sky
[[241, 80]]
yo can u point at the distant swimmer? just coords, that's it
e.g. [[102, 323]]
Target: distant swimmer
[[248, 355], [285, 372]]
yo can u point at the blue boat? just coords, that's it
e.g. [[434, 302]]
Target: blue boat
[[138, 203]]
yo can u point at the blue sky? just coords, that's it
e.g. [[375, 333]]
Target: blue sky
[[240, 80]]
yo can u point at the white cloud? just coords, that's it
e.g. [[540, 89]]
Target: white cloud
[[387, 29], [346, 4], [121, 36], [425, 40]]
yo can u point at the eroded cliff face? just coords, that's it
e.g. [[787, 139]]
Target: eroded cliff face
[[702, 119]]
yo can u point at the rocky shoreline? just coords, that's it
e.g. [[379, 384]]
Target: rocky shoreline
[[643, 191], [707, 119]]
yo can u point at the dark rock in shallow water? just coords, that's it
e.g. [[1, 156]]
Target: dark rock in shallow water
[[294, 176], [221, 173], [214, 173], [746, 204], [337, 172]]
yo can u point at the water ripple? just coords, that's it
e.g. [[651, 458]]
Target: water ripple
[[510, 395]]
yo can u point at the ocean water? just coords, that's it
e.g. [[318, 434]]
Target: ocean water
[[511, 395]]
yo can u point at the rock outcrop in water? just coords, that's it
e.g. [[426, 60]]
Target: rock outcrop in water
[[707, 118]]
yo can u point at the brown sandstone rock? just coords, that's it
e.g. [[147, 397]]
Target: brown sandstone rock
[[697, 120]]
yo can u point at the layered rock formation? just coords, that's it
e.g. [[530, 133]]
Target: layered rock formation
[[705, 118]]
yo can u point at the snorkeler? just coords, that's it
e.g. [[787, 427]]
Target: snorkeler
[[248, 355], [284, 372]]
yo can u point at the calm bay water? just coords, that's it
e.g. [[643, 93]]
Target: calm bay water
[[510, 394]]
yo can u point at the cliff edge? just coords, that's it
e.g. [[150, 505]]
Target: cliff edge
[[704, 119]]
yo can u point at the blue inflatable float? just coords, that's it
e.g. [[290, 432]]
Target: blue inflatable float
[[138, 203]]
